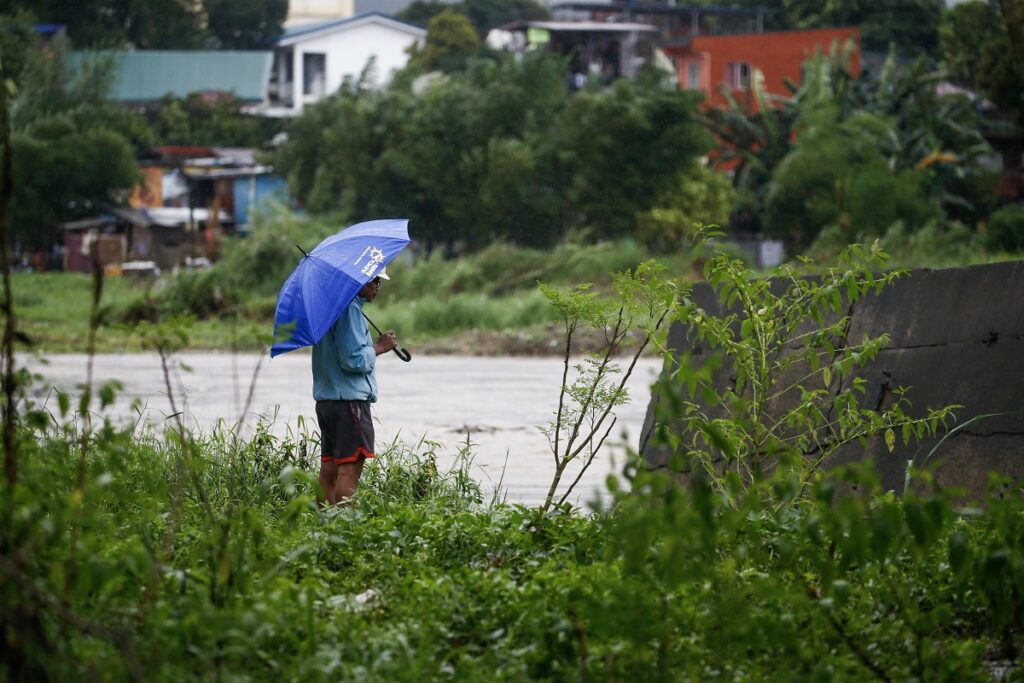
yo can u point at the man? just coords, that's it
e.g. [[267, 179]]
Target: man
[[344, 386]]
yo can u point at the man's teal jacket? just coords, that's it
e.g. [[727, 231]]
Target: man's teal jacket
[[344, 360]]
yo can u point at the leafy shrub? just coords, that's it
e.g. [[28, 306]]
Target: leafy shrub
[[773, 386], [936, 244], [1006, 229], [838, 174], [702, 197]]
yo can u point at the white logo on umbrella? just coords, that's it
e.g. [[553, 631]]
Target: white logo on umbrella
[[376, 259]]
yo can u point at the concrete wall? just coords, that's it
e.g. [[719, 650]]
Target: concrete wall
[[957, 337]]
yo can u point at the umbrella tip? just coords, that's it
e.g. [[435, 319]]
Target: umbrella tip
[[302, 250]]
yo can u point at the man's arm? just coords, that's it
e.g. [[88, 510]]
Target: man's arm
[[356, 355]]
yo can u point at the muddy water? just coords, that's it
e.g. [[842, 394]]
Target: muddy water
[[496, 402]]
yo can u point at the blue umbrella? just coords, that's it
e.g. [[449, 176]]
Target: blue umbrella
[[328, 278]]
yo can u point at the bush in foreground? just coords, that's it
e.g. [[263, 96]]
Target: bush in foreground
[[149, 557]]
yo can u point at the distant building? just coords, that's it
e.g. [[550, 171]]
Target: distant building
[[222, 180], [708, 63], [597, 49], [608, 40], [312, 61], [671, 20]]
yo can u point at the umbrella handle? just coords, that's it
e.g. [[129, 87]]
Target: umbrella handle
[[401, 353]]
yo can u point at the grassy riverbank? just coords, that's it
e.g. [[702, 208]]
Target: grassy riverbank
[[485, 303], [482, 303]]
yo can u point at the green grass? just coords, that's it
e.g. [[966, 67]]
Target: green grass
[[53, 309], [492, 291], [428, 301], [212, 562]]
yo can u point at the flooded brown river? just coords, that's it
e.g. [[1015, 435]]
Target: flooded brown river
[[497, 402]]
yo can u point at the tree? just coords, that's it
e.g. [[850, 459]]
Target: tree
[[619, 149], [980, 50], [484, 14], [838, 175], [244, 24], [217, 121], [420, 12], [488, 14], [163, 24], [910, 25], [17, 40], [141, 24], [72, 151], [450, 40], [499, 150]]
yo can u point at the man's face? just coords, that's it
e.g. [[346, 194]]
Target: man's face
[[370, 289]]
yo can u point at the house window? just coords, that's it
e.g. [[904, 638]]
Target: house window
[[314, 74], [693, 76], [737, 75]]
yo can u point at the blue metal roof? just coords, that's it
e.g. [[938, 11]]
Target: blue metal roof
[[150, 75]]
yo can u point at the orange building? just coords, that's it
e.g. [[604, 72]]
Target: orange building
[[705, 63]]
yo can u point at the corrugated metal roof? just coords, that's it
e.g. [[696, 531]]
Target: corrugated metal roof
[[149, 75]]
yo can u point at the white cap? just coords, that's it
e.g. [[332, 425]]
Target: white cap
[[383, 274]]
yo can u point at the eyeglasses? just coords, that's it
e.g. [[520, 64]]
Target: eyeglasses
[[376, 282]]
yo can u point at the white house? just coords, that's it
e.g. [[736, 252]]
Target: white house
[[312, 61]]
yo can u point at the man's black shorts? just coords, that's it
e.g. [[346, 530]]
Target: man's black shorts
[[346, 430]]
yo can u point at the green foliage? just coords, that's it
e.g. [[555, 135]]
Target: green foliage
[[964, 27], [246, 24], [931, 146], [909, 25], [773, 387], [492, 290], [16, 43], [488, 14], [1005, 229], [72, 152], [621, 148], [218, 122], [498, 151], [839, 174], [450, 40], [669, 584], [938, 244], [141, 24], [420, 12], [163, 24], [851, 584], [149, 555], [64, 169], [978, 48], [702, 197], [633, 316], [485, 14]]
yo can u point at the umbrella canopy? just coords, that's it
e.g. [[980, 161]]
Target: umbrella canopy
[[325, 282]]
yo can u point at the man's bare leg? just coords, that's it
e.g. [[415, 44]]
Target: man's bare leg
[[348, 479], [329, 481]]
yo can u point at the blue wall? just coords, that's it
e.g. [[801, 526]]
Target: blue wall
[[250, 191]]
